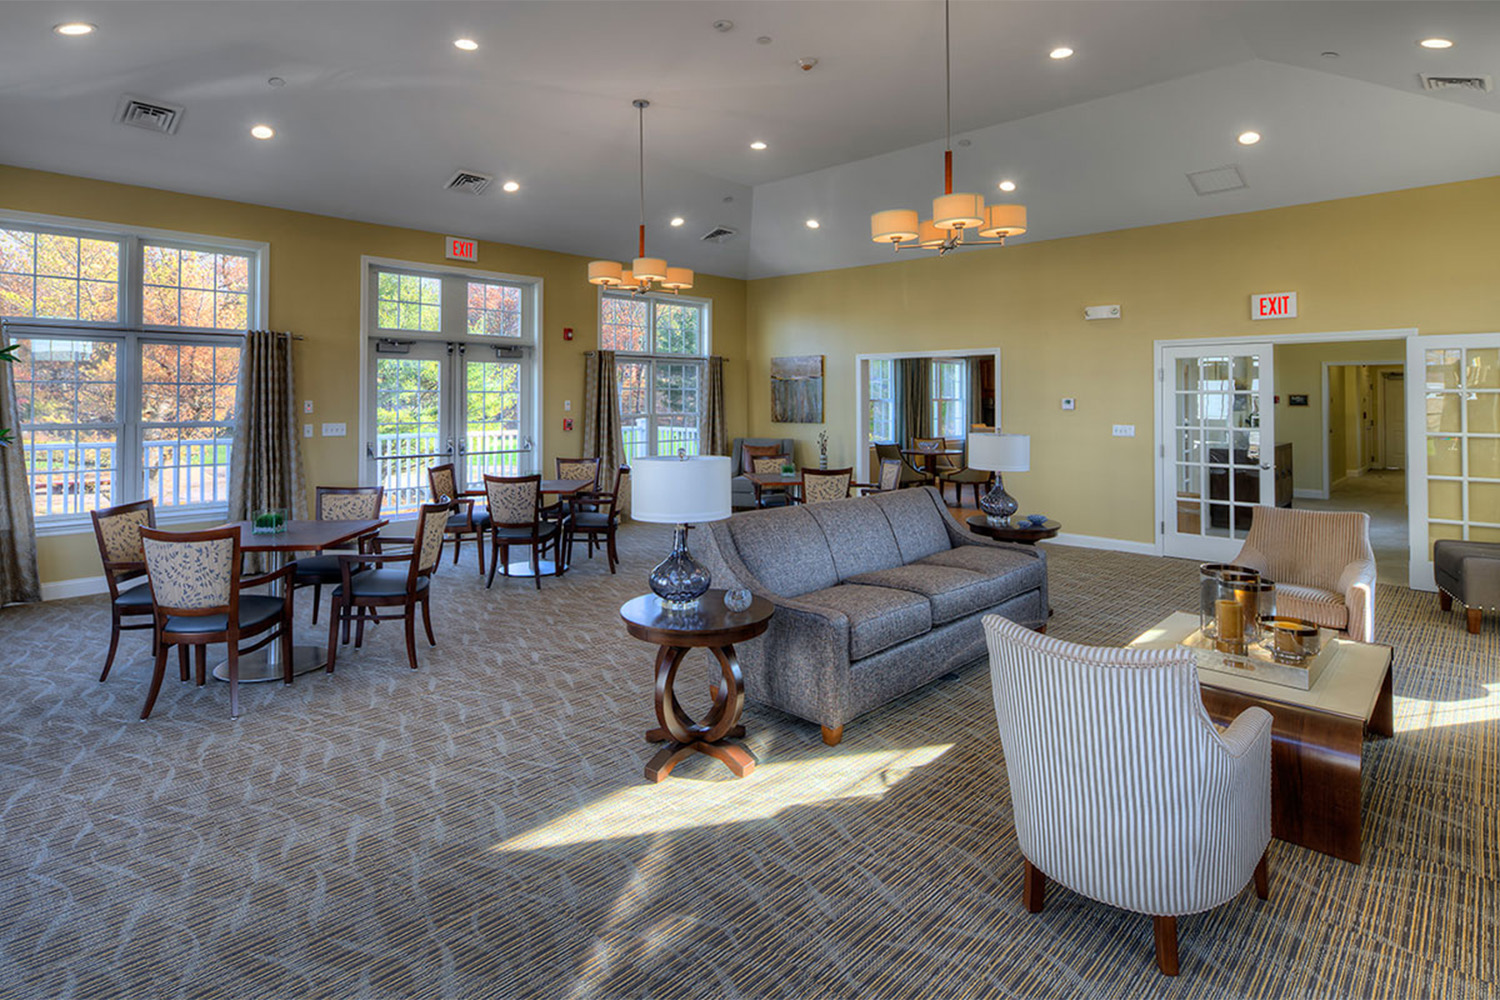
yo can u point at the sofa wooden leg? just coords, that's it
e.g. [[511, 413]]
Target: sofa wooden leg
[[1474, 621], [1041, 629], [1034, 887], [1166, 944], [833, 735], [1445, 600], [1263, 875]]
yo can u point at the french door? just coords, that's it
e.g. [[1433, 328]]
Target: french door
[[1217, 435], [1453, 460], [434, 403]]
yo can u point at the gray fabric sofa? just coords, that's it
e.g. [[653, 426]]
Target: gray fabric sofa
[[743, 494], [875, 596]]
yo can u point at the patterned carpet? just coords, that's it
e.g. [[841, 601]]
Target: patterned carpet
[[480, 828]]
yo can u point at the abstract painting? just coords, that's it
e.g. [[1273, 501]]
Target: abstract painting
[[797, 390]]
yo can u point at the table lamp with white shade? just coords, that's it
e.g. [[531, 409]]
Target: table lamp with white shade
[[999, 453], [680, 490]]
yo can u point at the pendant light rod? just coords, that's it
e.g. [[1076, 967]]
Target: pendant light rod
[[641, 104], [947, 101]]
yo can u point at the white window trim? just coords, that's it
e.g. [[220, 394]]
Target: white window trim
[[129, 331], [705, 342], [531, 338], [862, 395]]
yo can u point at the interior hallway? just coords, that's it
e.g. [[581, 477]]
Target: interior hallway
[[1381, 493]]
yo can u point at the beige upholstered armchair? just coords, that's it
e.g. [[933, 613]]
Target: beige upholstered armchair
[[1122, 788], [1322, 563]]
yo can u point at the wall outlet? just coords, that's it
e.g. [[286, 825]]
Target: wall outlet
[[307, 430], [1069, 402], [335, 430], [307, 406], [1124, 430]]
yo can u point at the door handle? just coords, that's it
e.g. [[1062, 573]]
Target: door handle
[[1265, 465]]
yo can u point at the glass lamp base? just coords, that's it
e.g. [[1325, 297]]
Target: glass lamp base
[[998, 505], [678, 581]]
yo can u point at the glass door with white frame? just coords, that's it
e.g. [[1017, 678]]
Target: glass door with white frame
[[1217, 446], [436, 403], [1453, 460]]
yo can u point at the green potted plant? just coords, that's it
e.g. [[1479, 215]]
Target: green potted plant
[[268, 522]]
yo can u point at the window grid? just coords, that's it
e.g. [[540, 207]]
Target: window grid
[[493, 420], [950, 412], [882, 402], [408, 432], [660, 344], [187, 418], [494, 310], [408, 301], [1462, 425], [198, 289], [47, 275]]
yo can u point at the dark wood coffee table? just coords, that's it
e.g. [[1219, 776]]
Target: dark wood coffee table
[[1026, 534], [714, 627]]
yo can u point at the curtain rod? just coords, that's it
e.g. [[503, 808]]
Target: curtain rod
[[685, 357], [15, 324]]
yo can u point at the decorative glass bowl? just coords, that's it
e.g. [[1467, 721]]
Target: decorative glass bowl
[[738, 599]]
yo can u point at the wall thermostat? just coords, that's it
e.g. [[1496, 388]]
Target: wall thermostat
[[1068, 402]]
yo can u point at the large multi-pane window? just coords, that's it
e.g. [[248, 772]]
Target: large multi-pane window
[[125, 377], [950, 398], [660, 346], [882, 401]]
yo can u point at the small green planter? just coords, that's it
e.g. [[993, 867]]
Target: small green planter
[[268, 522]]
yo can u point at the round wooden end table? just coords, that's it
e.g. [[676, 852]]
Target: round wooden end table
[[1025, 533], [714, 627]]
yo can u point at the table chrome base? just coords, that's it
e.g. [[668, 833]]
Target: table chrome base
[[259, 666], [522, 568]]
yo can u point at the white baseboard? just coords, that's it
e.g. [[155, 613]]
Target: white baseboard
[[1111, 544], [83, 586], [1310, 494]]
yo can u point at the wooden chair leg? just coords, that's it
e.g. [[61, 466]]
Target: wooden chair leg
[[200, 664], [457, 541], [833, 735], [614, 556], [317, 600], [1033, 887], [494, 565], [1263, 875], [411, 635], [157, 673], [1474, 615], [536, 563], [114, 642], [1166, 944], [182, 662], [288, 651], [479, 547], [427, 621], [1445, 600], [234, 677], [335, 612]]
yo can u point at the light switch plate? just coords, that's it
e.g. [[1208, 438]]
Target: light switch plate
[[335, 430], [1068, 402], [307, 430], [567, 405], [1124, 430]]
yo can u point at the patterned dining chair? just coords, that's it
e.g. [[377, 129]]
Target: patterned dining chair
[[597, 519], [370, 581], [118, 531], [1122, 788], [464, 522], [771, 496], [196, 595], [337, 503], [823, 485], [516, 513], [889, 478]]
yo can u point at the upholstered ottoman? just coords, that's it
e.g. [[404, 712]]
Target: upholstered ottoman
[[1469, 571]]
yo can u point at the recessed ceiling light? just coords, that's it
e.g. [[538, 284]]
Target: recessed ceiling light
[[1436, 43], [812, 223], [511, 186], [1249, 138], [74, 28], [262, 131], [467, 44], [678, 220], [1007, 185], [1061, 52], [757, 144]]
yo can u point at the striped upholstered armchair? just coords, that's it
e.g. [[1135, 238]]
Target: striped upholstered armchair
[[1322, 563], [1122, 788]]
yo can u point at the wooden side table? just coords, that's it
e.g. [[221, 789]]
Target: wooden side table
[[714, 627], [1026, 534]]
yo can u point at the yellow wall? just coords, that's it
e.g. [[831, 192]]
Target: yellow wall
[[315, 291], [1299, 370], [1352, 267]]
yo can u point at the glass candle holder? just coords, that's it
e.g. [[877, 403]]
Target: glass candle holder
[[1236, 610], [1208, 594]]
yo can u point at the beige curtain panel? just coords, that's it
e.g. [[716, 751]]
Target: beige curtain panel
[[715, 431], [18, 575], [601, 421], [265, 466]]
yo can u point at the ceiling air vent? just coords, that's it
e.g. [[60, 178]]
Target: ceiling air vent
[[718, 234], [153, 116], [1218, 180], [1483, 84], [469, 182]]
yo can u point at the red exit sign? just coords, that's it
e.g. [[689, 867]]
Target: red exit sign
[[462, 249], [1273, 305]]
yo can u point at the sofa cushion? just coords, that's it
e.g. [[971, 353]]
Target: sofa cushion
[[952, 592], [859, 536], [785, 549], [916, 521], [1023, 570], [1312, 604], [879, 617]]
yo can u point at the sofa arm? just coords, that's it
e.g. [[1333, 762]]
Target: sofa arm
[[1481, 576], [1357, 585]]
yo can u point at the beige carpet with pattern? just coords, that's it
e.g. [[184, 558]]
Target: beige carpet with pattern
[[480, 828]]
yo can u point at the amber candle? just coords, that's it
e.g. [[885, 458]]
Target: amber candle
[[1231, 620]]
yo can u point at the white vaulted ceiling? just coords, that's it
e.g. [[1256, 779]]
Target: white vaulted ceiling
[[379, 109]]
